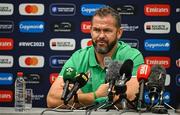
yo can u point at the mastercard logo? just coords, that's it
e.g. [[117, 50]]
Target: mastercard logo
[[31, 61], [31, 9], [86, 42]]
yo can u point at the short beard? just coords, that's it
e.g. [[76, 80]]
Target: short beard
[[104, 50]]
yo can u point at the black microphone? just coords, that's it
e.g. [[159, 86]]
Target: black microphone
[[156, 82], [107, 61], [113, 73], [80, 80], [68, 77]]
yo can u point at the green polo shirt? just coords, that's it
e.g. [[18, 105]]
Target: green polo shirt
[[84, 60]]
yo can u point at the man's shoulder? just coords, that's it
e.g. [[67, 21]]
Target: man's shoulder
[[83, 51], [127, 48]]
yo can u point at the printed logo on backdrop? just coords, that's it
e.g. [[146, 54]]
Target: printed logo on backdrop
[[161, 60], [86, 27], [6, 96], [57, 61], [62, 44], [6, 26], [32, 78], [62, 9], [178, 27], [31, 9], [178, 10], [178, 63], [31, 44], [90, 9], [157, 45], [6, 43], [157, 9], [166, 97], [6, 78], [6, 9], [53, 77], [6, 61], [134, 43], [63, 26], [178, 80], [167, 80], [31, 26], [37, 97], [31, 61], [126, 9], [129, 28], [86, 42], [157, 27]]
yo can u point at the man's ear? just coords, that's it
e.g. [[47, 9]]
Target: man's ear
[[119, 33]]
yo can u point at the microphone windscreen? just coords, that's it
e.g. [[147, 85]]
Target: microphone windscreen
[[113, 71], [82, 79], [107, 61], [127, 69], [143, 72], [69, 74]]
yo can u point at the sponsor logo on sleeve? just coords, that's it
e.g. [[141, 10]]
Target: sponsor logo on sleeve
[[157, 27], [31, 61], [63, 26], [6, 44], [57, 61], [89, 9], [31, 44], [178, 27], [86, 42], [134, 43], [62, 9], [62, 44], [6, 26], [157, 45], [6, 61], [6, 96], [6, 78], [31, 26], [6, 9], [157, 10], [164, 61], [53, 77], [31, 9], [178, 63], [127, 9], [86, 26], [178, 80]]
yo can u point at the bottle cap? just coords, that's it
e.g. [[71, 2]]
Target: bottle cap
[[20, 74]]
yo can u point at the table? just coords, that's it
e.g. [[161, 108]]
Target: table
[[37, 111]]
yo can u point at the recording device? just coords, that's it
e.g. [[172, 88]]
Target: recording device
[[68, 77], [156, 87], [143, 73], [80, 80], [107, 61]]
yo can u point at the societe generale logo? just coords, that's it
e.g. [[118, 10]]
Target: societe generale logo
[[31, 61], [6, 43], [86, 42], [6, 96], [157, 27], [53, 77], [152, 60], [6, 9], [6, 61], [63, 44], [31, 9], [86, 26], [157, 9]]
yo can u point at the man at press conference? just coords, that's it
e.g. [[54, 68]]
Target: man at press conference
[[105, 32]]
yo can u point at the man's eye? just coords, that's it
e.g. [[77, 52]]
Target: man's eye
[[97, 30]]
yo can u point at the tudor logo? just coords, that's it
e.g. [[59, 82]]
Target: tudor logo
[[31, 61], [31, 9], [157, 10]]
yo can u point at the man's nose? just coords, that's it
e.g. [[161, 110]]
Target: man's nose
[[101, 34]]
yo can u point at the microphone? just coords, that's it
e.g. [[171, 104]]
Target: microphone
[[68, 78], [125, 73], [156, 82], [113, 73], [143, 73], [107, 61], [80, 80]]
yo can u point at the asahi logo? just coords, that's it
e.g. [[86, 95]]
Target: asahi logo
[[6, 9], [157, 27]]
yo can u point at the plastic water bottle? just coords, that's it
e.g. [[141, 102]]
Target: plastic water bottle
[[20, 92]]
